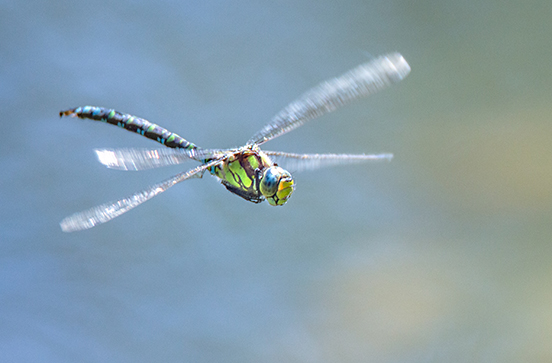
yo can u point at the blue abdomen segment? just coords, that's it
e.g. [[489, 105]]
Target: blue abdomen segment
[[131, 123]]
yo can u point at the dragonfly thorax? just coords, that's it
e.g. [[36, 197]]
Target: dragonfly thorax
[[249, 173], [276, 185], [246, 171]]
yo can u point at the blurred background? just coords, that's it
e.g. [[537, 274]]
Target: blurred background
[[441, 255]]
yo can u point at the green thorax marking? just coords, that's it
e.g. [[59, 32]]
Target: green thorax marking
[[240, 173]]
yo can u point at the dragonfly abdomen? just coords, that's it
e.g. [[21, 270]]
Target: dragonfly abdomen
[[131, 123]]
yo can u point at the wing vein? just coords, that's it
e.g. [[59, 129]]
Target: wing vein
[[361, 81], [107, 211]]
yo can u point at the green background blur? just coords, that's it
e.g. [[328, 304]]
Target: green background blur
[[442, 255]]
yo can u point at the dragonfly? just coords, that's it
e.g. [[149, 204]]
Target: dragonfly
[[247, 171]]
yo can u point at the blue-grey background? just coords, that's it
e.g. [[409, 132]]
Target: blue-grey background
[[442, 255]]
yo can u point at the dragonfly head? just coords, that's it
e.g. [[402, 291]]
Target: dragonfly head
[[276, 184]]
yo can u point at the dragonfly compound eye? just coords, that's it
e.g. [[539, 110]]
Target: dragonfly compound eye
[[243, 170], [276, 185]]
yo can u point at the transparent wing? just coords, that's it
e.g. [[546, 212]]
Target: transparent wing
[[301, 162], [106, 212], [142, 159], [361, 81]]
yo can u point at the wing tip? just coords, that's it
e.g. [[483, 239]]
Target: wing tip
[[68, 226], [398, 65]]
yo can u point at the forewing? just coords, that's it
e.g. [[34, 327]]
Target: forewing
[[359, 82], [301, 162], [106, 212], [142, 159]]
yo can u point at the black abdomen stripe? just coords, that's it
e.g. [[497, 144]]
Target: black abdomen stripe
[[131, 123]]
